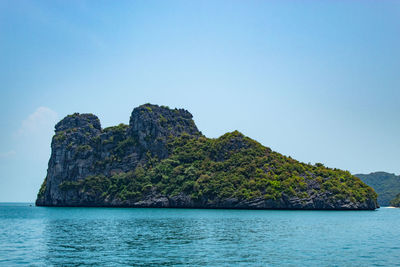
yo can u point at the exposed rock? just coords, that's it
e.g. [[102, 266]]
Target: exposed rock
[[91, 166], [151, 125], [80, 148]]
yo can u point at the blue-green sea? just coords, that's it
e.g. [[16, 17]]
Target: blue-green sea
[[39, 236]]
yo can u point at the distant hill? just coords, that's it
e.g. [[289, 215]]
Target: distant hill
[[387, 185], [396, 201]]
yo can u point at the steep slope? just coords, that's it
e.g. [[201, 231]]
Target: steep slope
[[386, 185], [161, 160], [81, 149]]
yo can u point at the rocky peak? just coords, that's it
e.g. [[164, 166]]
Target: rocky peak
[[124, 166], [85, 121], [151, 125]]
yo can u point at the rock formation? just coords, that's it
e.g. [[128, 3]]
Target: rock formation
[[161, 159]]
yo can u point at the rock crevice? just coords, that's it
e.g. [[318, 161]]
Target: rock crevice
[[161, 159]]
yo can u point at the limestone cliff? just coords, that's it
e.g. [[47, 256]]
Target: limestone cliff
[[161, 159]]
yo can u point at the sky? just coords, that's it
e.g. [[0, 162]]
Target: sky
[[315, 80]]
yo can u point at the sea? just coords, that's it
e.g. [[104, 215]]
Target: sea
[[43, 236]]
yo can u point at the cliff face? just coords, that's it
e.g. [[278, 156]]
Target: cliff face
[[162, 160], [80, 148]]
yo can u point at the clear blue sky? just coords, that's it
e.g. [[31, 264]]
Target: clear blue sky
[[316, 80]]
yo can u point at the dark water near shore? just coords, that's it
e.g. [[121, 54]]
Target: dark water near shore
[[111, 237]]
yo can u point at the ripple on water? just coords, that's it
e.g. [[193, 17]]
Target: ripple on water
[[112, 237]]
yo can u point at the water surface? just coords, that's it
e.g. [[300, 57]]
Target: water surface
[[116, 237]]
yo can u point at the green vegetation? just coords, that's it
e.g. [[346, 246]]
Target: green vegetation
[[120, 128], [60, 136], [387, 185], [42, 189], [117, 137], [83, 148], [123, 145], [123, 186], [396, 201], [163, 120], [74, 115], [232, 166]]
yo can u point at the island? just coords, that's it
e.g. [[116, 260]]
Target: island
[[395, 202], [162, 160], [386, 185]]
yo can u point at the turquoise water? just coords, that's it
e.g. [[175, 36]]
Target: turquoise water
[[116, 237]]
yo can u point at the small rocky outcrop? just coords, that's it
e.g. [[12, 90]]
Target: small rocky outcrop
[[161, 159]]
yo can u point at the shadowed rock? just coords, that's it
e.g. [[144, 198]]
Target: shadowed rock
[[161, 159]]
